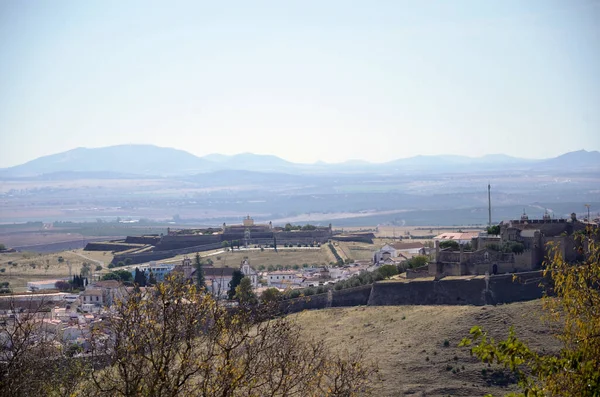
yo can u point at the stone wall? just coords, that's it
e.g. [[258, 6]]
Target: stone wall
[[109, 246], [158, 255], [152, 240], [501, 289], [356, 296]]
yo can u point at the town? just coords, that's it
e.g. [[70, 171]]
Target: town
[[514, 247]]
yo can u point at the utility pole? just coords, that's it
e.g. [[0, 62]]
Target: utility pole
[[489, 205], [588, 208]]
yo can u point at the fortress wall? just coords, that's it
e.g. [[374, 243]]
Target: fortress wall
[[502, 289], [115, 247], [356, 296], [158, 255], [184, 241], [526, 286], [152, 240], [305, 303]]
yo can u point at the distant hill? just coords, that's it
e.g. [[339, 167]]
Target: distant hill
[[130, 159], [581, 159], [147, 160]]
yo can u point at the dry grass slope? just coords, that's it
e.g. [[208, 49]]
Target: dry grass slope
[[408, 343]]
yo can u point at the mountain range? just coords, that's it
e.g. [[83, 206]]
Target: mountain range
[[149, 160]]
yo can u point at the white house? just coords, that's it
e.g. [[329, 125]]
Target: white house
[[218, 278], [386, 252], [284, 279]]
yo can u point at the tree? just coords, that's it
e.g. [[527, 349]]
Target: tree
[[200, 280], [188, 345], [236, 278], [139, 278], [387, 271], [151, 279], [495, 230], [32, 362], [244, 293], [453, 245], [119, 275], [575, 371], [225, 244], [270, 295], [417, 261]]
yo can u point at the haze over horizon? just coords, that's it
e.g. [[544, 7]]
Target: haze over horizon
[[304, 81]]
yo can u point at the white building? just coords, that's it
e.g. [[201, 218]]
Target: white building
[[43, 284], [284, 279]]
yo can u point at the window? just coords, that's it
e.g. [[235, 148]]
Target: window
[[97, 299]]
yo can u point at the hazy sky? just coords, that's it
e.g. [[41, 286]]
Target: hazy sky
[[305, 80]]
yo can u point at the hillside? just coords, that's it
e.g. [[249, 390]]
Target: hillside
[[128, 160], [407, 342]]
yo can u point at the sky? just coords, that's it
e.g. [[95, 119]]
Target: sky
[[304, 80]]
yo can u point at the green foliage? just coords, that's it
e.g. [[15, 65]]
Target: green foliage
[[575, 371], [151, 279], [60, 259], [2, 247], [493, 230], [387, 271], [417, 261], [140, 278], [270, 295], [98, 268], [111, 265], [244, 293], [119, 275], [453, 245], [236, 279], [200, 280]]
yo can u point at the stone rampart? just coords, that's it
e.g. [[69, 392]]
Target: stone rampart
[[467, 291], [158, 255], [498, 289], [356, 296], [109, 246], [152, 240]]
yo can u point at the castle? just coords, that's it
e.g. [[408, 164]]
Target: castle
[[522, 245], [184, 241]]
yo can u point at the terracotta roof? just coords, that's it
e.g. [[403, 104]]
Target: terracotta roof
[[457, 236]]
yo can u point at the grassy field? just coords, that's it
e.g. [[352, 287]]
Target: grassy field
[[20, 267], [408, 343], [283, 256]]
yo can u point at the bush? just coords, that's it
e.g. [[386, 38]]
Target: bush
[[99, 267], [446, 343], [453, 245], [111, 265], [417, 261], [2, 270]]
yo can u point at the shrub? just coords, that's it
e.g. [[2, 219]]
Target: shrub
[[111, 265], [446, 343], [453, 245], [2, 270], [99, 267]]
